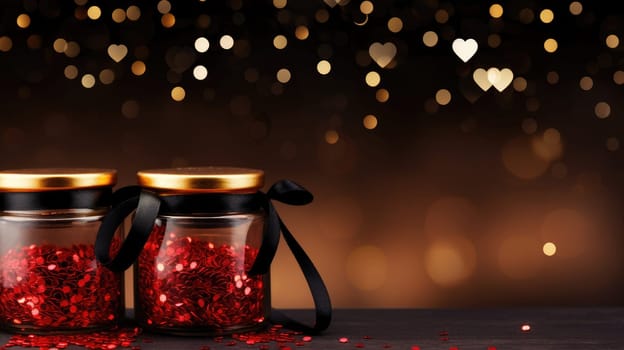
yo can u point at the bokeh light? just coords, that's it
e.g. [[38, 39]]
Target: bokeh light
[[546, 16], [382, 95], [280, 42], [226, 42], [550, 45], [549, 249], [395, 24], [430, 39], [443, 97], [576, 8], [372, 79], [602, 110], [496, 11], [178, 93], [612, 41], [323, 67], [283, 75], [94, 12], [88, 81], [370, 122]]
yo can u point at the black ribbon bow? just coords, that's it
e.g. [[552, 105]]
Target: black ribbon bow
[[149, 205]]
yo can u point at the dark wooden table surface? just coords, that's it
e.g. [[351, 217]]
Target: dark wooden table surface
[[570, 328]]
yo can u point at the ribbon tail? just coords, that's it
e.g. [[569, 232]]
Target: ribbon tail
[[320, 295]]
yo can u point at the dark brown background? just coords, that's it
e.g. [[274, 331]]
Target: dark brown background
[[437, 206]]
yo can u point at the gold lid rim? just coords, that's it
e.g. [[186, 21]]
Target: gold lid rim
[[51, 179], [202, 179]]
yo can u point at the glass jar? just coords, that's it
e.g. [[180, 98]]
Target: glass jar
[[50, 281], [191, 275]]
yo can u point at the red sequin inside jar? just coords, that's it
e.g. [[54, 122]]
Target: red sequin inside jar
[[191, 285], [47, 288]]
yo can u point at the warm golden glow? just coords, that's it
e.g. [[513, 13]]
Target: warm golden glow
[[494, 40], [168, 20], [519, 84], [618, 77], [443, 97], [529, 126], [200, 72], [612, 41], [546, 16], [72, 50], [382, 95], [450, 261], [178, 93], [602, 110], [518, 255], [366, 7], [552, 136], [586, 83], [441, 16], [164, 6], [370, 122], [59, 45], [94, 12], [23, 20], [576, 8], [302, 32], [549, 147], [520, 159], [71, 72], [226, 42], [133, 13], [280, 42], [526, 15], [550, 45], [321, 16], [107, 76], [430, 39], [373, 79], [118, 15], [496, 11], [613, 144], [280, 4], [552, 77], [367, 268], [88, 81], [138, 68], [5, 44], [130, 109], [283, 75], [395, 24], [331, 137], [323, 67]]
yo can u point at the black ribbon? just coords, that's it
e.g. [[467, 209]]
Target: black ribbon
[[149, 205], [89, 198]]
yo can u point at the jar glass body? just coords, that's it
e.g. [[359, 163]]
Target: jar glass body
[[50, 281], [191, 277]]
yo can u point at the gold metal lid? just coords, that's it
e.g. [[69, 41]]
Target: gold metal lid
[[202, 179], [55, 179]]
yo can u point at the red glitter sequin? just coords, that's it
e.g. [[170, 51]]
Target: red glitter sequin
[[51, 288], [197, 286], [415, 347], [343, 340], [100, 340]]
